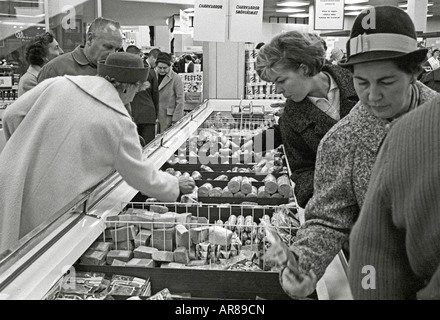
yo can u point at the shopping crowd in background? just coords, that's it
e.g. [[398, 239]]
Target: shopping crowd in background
[[361, 133]]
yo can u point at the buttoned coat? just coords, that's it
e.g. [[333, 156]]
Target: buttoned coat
[[171, 100], [65, 136], [346, 156], [302, 126]]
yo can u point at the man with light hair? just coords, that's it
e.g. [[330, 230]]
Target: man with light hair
[[103, 37]]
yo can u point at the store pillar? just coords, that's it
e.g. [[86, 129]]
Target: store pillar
[[417, 10]]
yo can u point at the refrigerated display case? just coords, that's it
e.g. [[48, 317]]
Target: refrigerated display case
[[44, 256]]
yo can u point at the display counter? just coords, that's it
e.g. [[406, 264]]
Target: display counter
[[44, 256]]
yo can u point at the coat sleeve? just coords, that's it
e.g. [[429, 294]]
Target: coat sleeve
[[17, 111], [268, 139], [46, 72], [154, 91], [332, 210], [139, 173], [301, 163], [178, 89]]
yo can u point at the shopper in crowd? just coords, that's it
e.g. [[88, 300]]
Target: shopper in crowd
[[397, 234], [68, 134], [171, 99], [186, 64], [384, 73], [145, 105], [318, 96], [324, 45], [40, 50], [336, 55], [151, 58], [434, 60], [103, 37]]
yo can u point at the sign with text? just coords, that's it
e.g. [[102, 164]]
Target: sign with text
[[210, 20], [329, 14], [192, 86], [246, 20], [184, 22]]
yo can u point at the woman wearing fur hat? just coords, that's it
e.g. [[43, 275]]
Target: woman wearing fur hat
[[385, 63], [171, 98], [65, 136]]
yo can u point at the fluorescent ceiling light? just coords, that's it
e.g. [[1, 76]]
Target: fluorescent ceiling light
[[189, 10], [356, 8], [355, 1], [293, 4], [405, 5], [290, 10], [299, 15], [352, 13]]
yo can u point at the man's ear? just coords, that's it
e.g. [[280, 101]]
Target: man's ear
[[304, 70]]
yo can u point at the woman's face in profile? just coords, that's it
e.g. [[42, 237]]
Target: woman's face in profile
[[291, 83], [383, 88]]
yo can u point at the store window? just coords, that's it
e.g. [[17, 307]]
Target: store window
[[20, 21]]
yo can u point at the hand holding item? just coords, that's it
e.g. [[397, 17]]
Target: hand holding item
[[294, 282], [186, 184], [297, 285]]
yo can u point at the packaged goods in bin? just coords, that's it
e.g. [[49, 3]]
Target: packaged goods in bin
[[129, 286], [247, 111]]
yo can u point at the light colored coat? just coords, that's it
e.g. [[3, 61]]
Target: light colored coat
[[171, 100], [346, 156], [64, 137]]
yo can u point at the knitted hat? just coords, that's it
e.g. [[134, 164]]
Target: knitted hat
[[164, 58], [381, 33], [123, 67]]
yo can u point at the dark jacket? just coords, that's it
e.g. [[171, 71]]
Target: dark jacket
[[145, 104], [302, 126], [73, 63], [432, 79]]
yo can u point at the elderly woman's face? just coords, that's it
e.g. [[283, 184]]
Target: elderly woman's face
[[291, 84], [383, 88]]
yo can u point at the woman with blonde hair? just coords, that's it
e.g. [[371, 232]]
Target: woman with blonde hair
[[318, 96]]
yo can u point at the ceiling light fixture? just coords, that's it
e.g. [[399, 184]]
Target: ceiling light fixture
[[355, 1], [189, 10], [353, 13], [290, 10], [293, 4], [299, 15], [356, 8], [405, 5]]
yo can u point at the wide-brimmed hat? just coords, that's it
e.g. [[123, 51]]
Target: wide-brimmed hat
[[123, 67], [382, 33]]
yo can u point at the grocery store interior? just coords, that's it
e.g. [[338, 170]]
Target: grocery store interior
[[114, 242]]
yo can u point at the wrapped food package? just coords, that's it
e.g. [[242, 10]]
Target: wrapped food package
[[270, 183], [227, 193], [234, 185], [284, 187], [196, 175], [222, 177], [262, 193], [215, 192], [253, 193], [246, 185], [204, 189]]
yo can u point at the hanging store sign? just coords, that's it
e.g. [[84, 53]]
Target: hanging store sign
[[246, 20], [184, 22], [329, 14], [210, 20]]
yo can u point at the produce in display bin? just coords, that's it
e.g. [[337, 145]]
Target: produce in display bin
[[270, 184]]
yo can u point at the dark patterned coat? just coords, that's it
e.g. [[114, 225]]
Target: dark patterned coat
[[302, 126], [346, 156]]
